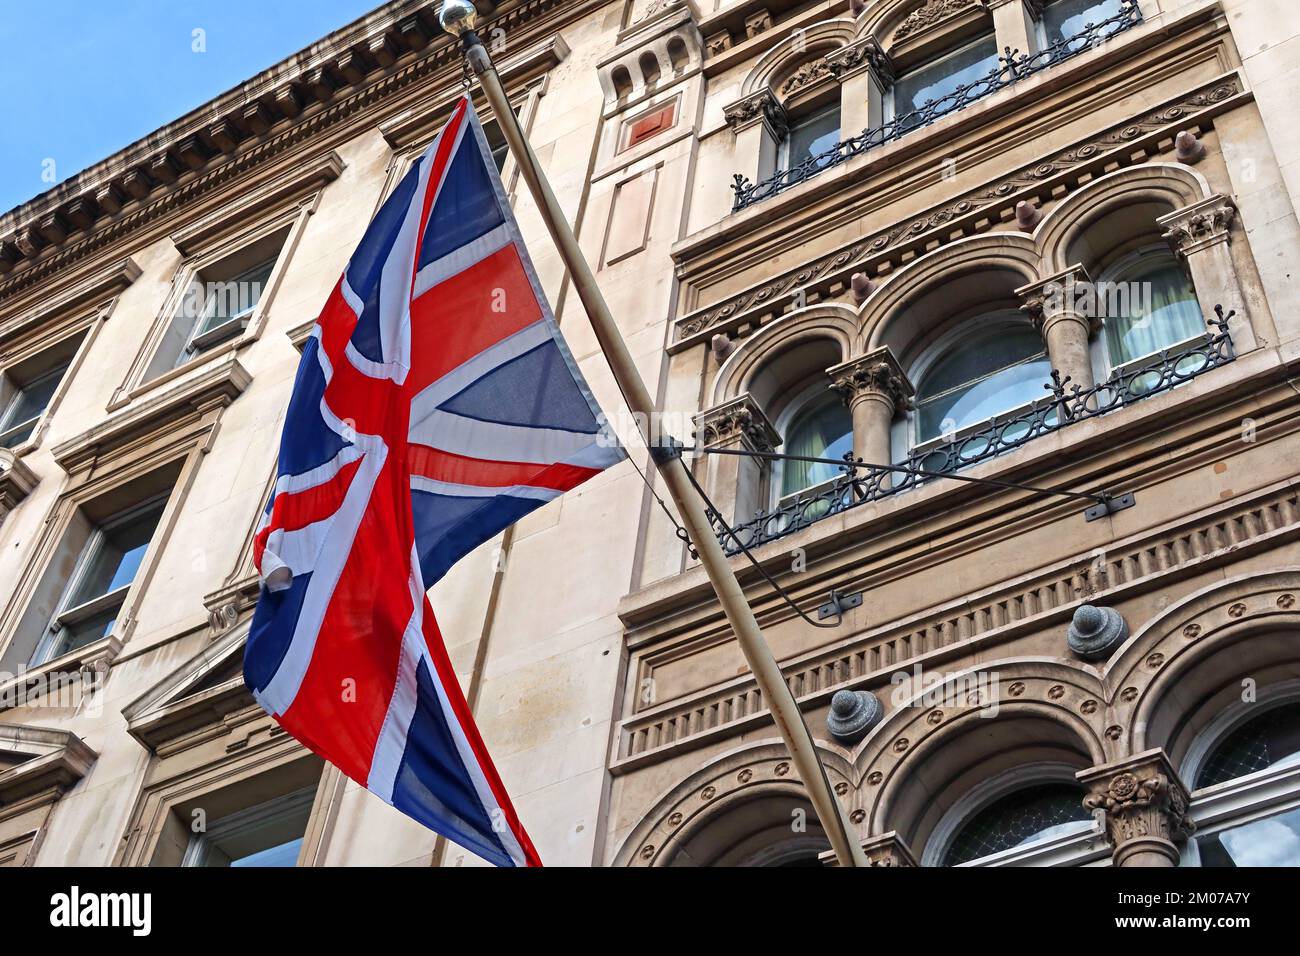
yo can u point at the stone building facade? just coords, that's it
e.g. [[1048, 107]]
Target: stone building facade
[[1049, 243]]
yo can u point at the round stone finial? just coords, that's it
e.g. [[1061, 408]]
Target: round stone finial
[[853, 713], [1095, 632], [457, 16]]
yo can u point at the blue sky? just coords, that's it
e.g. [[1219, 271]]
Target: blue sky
[[81, 79]]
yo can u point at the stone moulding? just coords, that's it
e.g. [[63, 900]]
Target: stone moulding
[[56, 759], [1047, 599], [16, 482], [932, 15], [751, 308]]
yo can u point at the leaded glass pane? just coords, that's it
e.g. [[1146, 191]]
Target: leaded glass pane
[[1269, 740], [1026, 816]]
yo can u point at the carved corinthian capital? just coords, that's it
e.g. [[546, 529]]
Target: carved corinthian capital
[[736, 421], [1199, 226], [1145, 805], [876, 374], [865, 53], [759, 106]]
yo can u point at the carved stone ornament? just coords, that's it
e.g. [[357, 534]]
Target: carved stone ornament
[[853, 713], [1145, 805], [1096, 632], [757, 23], [876, 372], [719, 42], [887, 849], [865, 52], [1200, 225], [932, 13], [737, 420], [808, 74], [761, 105]]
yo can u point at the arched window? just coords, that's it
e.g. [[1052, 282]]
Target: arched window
[[1029, 815], [991, 364], [820, 426], [1066, 19], [1150, 305], [940, 79], [1251, 817], [813, 134]]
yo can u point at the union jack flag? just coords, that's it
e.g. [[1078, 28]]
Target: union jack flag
[[435, 404]]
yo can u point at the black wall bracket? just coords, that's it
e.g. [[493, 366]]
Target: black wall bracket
[[1108, 505], [839, 603]]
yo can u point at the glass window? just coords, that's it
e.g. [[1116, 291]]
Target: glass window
[[938, 81], [1026, 816], [19, 417], [811, 136], [1272, 841], [108, 565], [1153, 306], [822, 429], [269, 834], [224, 306], [988, 371], [1066, 19], [1270, 740]]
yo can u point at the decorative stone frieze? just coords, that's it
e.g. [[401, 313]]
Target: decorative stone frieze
[[853, 713], [1096, 632], [809, 74], [932, 14], [759, 106], [1145, 807]]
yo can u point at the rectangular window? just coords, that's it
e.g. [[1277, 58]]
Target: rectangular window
[[935, 89], [102, 577], [28, 388], [1065, 19], [218, 303], [269, 834], [812, 136]]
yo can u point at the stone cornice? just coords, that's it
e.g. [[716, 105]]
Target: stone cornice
[[351, 70], [217, 385], [16, 482], [93, 291], [59, 759]]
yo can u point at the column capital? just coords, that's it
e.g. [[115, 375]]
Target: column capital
[[874, 375], [739, 420], [1067, 296], [887, 849], [865, 53], [1035, 7], [1199, 226], [761, 106], [1145, 804]]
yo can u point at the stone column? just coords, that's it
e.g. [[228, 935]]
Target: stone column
[[1054, 306], [874, 387], [1201, 235], [887, 849], [864, 73], [1014, 23], [1145, 805], [759, 122], [736, 483]]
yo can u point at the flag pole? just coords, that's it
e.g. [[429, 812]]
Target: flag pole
[[458, 18]]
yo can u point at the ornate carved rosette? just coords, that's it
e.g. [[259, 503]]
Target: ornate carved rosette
[[1145, 805]]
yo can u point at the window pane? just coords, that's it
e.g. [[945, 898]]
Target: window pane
[[1029, 815], [1068, 18], [1272, 739], [84, 632], [813, 136], [991, 372], [1157, 308], [117, 556], [269, 834], [15, 436], [941, 79], [1274, 841], [822, 430], [236, 298], [27, 406]]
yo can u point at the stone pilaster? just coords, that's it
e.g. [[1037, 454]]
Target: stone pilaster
[[1201, 235], [875, 388], [1014, 24], [864, 73], [735, 483], [1145, 806], [759, 122], [1052, 305]]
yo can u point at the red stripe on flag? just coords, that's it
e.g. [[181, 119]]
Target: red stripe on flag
[[459, 470]]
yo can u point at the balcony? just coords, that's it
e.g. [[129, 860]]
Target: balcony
[[1063, 407], [1013, 68]]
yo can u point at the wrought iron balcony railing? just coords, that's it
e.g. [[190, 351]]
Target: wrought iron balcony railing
[[1064, 406], [1012, 66]]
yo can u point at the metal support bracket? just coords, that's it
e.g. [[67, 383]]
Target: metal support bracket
[[839, 603], [665, 450], [1109, 505]]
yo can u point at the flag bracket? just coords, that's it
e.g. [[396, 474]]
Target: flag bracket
[[665, 451], [839, 603], [1109, 505]]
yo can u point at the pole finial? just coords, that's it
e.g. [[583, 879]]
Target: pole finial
[[457, 17]]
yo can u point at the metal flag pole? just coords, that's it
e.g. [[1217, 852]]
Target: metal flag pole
[[458, 17]]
